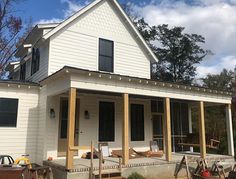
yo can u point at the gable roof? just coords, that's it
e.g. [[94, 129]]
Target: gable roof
[[91, 5]]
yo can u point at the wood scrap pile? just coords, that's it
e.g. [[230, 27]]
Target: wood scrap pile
[[136, 154]]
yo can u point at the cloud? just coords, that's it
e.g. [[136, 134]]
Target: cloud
[[71, 8], [214, 19], [227, 62], [48, 21]]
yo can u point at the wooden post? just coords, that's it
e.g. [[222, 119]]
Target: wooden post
[[91, 161], [71, 128], [202, 136], [125, 136], [168, 147], [229, 130]]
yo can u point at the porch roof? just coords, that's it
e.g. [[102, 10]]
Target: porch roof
[[72, 75]]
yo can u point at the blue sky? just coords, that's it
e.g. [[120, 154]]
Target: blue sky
[[214, 19]]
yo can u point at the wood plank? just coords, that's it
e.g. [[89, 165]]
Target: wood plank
[[168, 148], [80, 148], [71, 127], [125, 136], [202, 136]]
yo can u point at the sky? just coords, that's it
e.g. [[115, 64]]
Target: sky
[[213, 19]]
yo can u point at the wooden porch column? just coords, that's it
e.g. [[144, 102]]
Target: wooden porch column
[[71, 128], [229, 130], [125, 127], [202, 136], [168, 148]]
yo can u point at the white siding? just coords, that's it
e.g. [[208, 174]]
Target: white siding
[[22, 139], [41, 125], [77, 44], [43, 65]]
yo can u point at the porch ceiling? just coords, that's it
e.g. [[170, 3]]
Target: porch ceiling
[[108, 82]]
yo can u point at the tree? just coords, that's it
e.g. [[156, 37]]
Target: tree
[[219, 81], [10, 27], [178, 52]]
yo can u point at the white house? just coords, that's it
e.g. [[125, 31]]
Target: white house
[[91, 73]]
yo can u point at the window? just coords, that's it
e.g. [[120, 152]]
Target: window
[[35, 61], [106, 121], [157, 106], [22, 71], [8, 112], [106, 55], [137, 122], [64, 117]]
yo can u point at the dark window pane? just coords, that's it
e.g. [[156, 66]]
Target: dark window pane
[[157, 106], [106, 56], [22, 71], [106, 121], [35, 61], [64, 117], [8, 112], [106, 48], [105, 64], [137, 122]]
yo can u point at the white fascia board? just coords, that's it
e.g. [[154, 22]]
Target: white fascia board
[[70, 19]]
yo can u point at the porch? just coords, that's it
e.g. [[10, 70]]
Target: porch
[[149, 167], [127, 89]]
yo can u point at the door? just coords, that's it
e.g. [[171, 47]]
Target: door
[[63, 121], [157, 129]]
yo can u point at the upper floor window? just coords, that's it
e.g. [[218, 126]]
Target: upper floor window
[[22, 71], [106, 55], [35, 61], [8, 112]]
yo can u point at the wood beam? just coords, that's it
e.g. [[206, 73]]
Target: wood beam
[[229, 124], [202, 135], [125, 135], [71, 128], [168, 148]]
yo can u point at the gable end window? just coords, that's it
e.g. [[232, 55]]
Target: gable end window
[[106, 55], [35, 61], [22, 71], [8, 112]]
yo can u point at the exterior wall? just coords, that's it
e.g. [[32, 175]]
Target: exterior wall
[[77, 44], [41, 135], [88, 128], [22, 139], [43, 65]]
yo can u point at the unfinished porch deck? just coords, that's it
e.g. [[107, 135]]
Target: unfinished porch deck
[[83, 165]]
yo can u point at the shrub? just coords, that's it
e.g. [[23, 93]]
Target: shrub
[[135, 175]]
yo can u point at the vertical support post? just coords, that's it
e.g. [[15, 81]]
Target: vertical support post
[[70, 127], [125, 137], [168, 147], [91, 161], [202, 135], [229, 130], [190, 126]]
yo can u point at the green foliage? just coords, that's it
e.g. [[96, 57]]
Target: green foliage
[[178, 52], [219, 81], [135, 175]]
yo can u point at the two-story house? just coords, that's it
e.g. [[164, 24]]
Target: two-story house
[[88, 79]]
